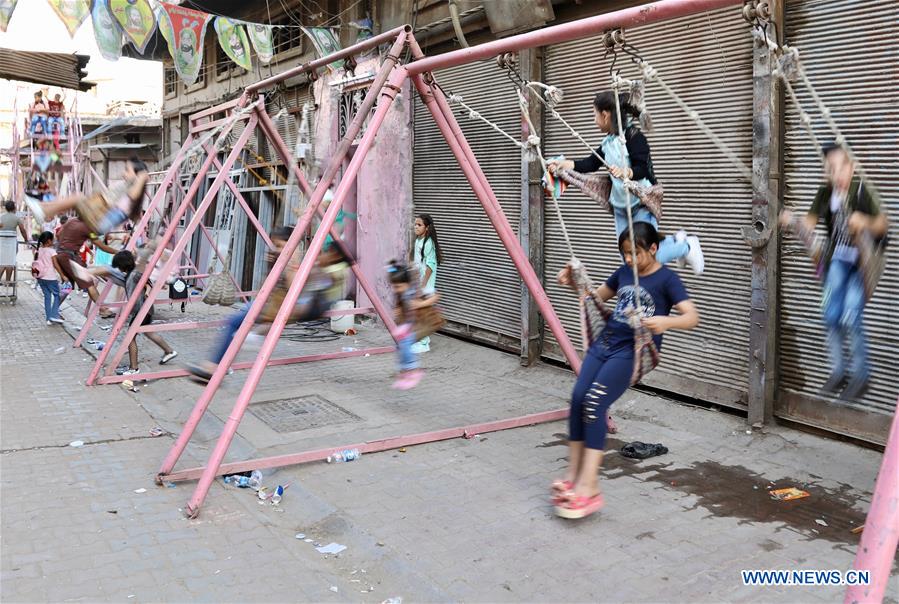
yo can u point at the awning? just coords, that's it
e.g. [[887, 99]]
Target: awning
[[47, 68]]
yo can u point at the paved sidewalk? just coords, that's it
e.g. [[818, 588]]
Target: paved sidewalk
[[460, 520]]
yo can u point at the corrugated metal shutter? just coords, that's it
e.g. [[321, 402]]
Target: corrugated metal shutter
[[851, 53], [478, 283], [707, 60]]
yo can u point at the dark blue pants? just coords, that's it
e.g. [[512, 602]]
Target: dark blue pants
[[605, 375]]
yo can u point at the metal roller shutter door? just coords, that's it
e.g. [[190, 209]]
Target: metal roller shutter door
[[852, 57], [707, 59], [478, 284]]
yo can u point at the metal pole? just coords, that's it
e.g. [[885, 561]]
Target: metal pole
[[168, 267], [449, 127], [880, 536], [355, 49], [169, 233], [290, 247], [582, 28], [367, 287], [139, 229], [388, 93]]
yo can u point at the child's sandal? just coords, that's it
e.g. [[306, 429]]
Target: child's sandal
[[561, 490], [579, 507]]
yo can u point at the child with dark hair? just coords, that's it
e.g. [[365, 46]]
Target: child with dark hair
[[46, 270], [855, 223], [124, 273], [415, 317], [324, 286], [426, 255], [633, 162], [607, 368], [101, 212]]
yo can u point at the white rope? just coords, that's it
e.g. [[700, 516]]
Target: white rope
[[616, 82], [649, 74], [791, 52], [533, 140]]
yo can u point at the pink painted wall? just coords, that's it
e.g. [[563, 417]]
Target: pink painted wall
[[383, 199]]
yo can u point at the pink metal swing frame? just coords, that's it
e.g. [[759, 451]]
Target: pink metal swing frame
[[385, 87]]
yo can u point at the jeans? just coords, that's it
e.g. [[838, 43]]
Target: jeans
[[605, 375], [843, 305], [56, 123], [231, 327], [39, 120], [50, 287], [669, 248], [406, 338], [113, 218]]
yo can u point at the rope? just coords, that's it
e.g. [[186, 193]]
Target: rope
[[649, 74], [533, 140], [616, 82]]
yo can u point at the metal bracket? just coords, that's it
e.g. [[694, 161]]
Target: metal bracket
[[757, 234]]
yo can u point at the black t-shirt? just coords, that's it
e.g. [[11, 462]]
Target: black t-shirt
[[659, 292]]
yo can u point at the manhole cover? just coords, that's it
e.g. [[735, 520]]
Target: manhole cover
[[301, 413]]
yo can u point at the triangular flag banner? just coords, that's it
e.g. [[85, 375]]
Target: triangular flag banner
[[233, 40], [6, 9], [325, 43], [261, 37], [136, 19], [107, 32], [71, 12], [184, 32]]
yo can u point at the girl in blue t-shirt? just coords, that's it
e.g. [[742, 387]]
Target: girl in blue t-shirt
[[608, 364], [426, 255]]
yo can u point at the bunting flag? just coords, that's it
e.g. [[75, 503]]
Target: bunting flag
[[233, 40], [184, 31], [325, 43], [71, 12], [107, 32], [261, 37], [136, 19], [6, 9]]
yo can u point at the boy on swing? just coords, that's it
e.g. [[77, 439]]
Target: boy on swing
[[851, 211]]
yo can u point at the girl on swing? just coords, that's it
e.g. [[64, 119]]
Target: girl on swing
[[101, 212], [634, 165], [608, 364]]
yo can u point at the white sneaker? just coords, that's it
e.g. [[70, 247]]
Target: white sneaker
[[49, 323], [168, 357], [57, 321], [37, 212], [83, 294], [681, 237], [130, 371], [694, 257]]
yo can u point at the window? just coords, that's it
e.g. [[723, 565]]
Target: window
[[222, 62], [171, 81], [289, 37]]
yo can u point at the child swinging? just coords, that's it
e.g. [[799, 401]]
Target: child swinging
[[101, 212], [849, 263], [609, 367], [631, 162]]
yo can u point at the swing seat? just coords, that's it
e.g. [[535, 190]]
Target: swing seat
[[598, 187]]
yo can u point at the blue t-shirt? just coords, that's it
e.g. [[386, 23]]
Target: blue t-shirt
[[659, 292]]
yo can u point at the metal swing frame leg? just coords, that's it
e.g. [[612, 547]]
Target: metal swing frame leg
[[437, 105]]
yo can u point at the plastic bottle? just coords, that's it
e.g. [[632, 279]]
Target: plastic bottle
[[345, 455], [276, 496], [255, 480], [241, 482]]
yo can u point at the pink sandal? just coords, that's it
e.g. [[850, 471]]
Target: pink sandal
[[579, 507], [561, 490]]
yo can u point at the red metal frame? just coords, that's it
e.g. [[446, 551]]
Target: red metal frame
[[386, 85]]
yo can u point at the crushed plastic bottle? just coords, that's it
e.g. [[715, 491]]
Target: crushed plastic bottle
[[345, 455], [276, 496], [241, 482], [256, 480]]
